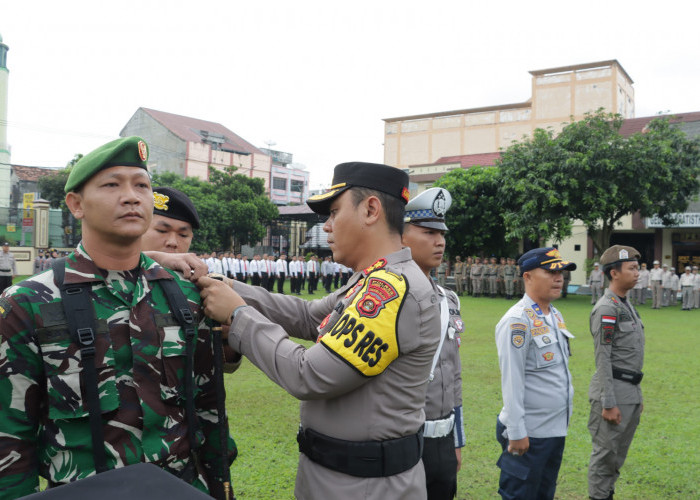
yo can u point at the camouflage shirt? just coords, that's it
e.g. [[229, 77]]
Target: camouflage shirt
[[44, 423]]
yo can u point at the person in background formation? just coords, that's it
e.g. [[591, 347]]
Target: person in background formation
[[8, 267], [595, 282], [363, 383], [272, 266], [696, 288], [457, 269], [93, 361], [442, 273], [466, 276], [424, 234], [656, 276], [37, 262], [327, 273], [567, 279], [51, 255], [674, 288], [294, 275], [281, 272], [640, 289], [686, 285], [500, 277], [477, 276], [491, 271], [533, 354], [614, 393], [336, 274], [509, 278], [312, 273], [666, 287]]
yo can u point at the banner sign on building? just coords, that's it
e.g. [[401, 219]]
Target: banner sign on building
[[686, 219]]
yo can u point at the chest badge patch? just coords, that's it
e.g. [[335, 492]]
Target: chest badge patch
[[517, 338], [537, 322], [548, 356], [375, 298]]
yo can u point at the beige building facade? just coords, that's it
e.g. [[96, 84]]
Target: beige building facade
[[558, 96]]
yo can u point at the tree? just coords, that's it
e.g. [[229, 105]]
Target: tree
[[231, 207], [531, 178], [475, 218], [592, 173]]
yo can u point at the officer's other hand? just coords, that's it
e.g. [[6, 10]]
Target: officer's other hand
[[519, 446], [219, 299], [458, 452], [187, 263], [612, 415]]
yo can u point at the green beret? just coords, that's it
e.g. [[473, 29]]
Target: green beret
[[618, 253], [124, 152]]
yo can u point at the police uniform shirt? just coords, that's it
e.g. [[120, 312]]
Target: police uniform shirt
[[656, 274], [686, 279], [445, 389], [643, 281], [596, 276], [533, 353], [366, 377], [618, 336], [7, 264]]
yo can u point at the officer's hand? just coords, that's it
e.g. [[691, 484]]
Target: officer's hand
[[519, 446], [187, 263], [612, 415], [219, 299], [458, 452]]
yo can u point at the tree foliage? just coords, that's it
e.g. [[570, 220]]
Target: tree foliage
[[592, 173], [475, 218], [232, 207]]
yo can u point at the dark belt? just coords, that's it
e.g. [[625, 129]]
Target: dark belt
[[633, 378], [5, 270], [362, 458]]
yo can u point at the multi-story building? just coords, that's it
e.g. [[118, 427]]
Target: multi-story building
[[289, 182], [188, 146], [558, 95]]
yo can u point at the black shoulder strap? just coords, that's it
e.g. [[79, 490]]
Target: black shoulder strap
[[83, 325], [183, 314]]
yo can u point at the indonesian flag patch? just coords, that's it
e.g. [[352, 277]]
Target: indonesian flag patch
[[609, 319]]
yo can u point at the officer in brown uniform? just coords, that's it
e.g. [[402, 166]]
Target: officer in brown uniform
[[363, 384], [457, 273], [466, 276], [614, 393], [491, 271], [477, 274]]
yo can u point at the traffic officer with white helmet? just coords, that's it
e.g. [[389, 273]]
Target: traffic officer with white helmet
[[424, 234], [363, 384]]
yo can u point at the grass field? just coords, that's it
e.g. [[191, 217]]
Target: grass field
[[664, 461]]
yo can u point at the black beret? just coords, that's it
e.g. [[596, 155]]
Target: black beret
[[384, 178], [547, 258], [174, 204]]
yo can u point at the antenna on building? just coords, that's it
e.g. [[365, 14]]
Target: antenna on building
[[270, 143]]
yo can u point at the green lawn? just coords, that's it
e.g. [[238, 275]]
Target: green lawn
[[664, 461]]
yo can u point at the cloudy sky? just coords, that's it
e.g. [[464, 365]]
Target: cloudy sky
[[316, 78]]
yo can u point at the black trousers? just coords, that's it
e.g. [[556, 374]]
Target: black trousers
[[255, 279], [280, 283], [313, 281], [440, 462], [5, 282], [264, 281]]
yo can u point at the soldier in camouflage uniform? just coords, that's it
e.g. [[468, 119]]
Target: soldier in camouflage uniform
[[139, 349]]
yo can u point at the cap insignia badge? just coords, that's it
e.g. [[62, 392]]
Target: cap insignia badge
[[624, 254], [143, 151], [160, 201], [439, 204]]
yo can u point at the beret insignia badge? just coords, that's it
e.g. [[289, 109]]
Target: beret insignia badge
[[143, 151], [160, 201], [405, 194], [440, 204]]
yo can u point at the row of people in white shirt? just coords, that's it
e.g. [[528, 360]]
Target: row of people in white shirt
[[264, 270]]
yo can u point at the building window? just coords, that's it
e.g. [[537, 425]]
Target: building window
[[279, 183], [296, 186]]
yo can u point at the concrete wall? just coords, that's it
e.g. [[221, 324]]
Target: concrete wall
[[166, 150]]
